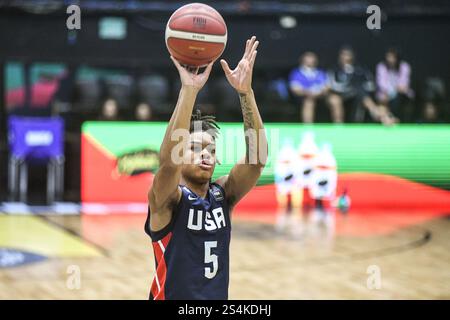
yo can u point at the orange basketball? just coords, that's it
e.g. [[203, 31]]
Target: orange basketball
[[196, 34]]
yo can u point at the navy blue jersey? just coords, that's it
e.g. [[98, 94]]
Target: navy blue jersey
[[192, 251]]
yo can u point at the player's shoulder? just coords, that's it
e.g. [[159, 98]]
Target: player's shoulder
[[221, 182], [186, 193], [220, 190]]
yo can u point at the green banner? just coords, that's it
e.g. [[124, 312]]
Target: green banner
[[416, 152]]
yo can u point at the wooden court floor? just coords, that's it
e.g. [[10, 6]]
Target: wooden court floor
[[336, 257]]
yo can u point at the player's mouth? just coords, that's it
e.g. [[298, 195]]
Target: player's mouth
[[205, 165]]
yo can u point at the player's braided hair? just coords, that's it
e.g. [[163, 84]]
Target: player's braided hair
[[207, 123]]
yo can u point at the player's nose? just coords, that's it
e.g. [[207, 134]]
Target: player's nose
[[206, 156]]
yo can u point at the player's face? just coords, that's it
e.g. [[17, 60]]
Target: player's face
[[200, 158]]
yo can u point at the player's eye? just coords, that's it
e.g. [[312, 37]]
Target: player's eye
[[195, 147]]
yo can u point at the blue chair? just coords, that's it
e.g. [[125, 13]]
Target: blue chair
[[35, 140]]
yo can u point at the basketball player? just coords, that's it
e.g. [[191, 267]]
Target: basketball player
[[189, 215]]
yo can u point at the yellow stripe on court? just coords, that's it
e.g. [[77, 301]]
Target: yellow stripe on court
[[35, 235]]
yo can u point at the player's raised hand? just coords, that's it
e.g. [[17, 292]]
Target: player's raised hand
[[241, 77], [190, 77]]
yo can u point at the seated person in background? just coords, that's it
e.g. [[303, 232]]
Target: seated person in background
[[393, 81], [143, 112], [434, 94], [309, 84], [351, 85], [430, 114], [110, 111]]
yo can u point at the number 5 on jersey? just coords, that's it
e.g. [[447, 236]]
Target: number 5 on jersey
[[210, 257]]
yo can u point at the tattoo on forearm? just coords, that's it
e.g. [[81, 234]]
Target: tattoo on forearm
[[249, 126], [247, 113]]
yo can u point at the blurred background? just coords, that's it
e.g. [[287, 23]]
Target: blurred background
[[116, 66], [83, 112]]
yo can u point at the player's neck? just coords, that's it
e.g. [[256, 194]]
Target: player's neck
[[201, 189]]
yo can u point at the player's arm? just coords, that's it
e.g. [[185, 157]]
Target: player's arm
[[164, 192], [245, 173]]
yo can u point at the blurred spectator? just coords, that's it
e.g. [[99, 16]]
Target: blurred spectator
[[310, 84], [143, 112], [120, 88], [276, 93], [352, 86], [430, 113], [110, 111], [154, 90], [434, 100], [393, 80]]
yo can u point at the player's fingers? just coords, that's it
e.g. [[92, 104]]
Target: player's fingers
[[176, 63], [225, 66], [247, 46], [253, 57], [255, 45], [251, 41], [209, 68]]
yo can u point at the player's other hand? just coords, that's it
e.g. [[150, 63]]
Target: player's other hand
[[190, 76], [241, 77]]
